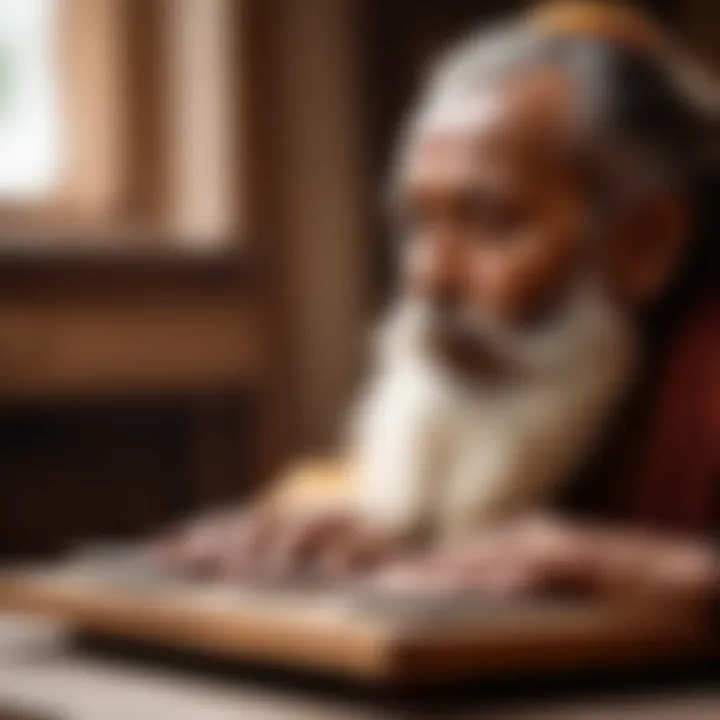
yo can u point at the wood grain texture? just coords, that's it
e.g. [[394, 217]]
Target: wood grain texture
[[66, 345], [349, 642]]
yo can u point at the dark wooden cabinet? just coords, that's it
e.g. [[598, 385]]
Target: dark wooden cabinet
[[127, 396]]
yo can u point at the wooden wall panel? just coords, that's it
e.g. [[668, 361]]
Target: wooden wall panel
[[120, 345]]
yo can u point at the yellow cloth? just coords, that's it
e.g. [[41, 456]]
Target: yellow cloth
[[623, 24], [315, 482]]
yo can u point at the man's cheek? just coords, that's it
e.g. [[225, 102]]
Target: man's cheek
[[531, 275], [497, 284], [415, 284]]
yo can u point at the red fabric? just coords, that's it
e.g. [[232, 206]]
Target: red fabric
[[671, 479]]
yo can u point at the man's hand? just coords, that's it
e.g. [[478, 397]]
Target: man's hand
[[272, 543], [548, 554]]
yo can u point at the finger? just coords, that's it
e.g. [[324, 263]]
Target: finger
[[244, 544], [198, 547], [357, 550], [300, 541]]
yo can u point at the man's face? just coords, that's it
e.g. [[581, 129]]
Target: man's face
[[492, 213]]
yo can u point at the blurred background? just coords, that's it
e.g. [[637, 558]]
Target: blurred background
[[191, 245]]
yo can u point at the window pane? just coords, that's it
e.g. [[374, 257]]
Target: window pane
[[28, 113]]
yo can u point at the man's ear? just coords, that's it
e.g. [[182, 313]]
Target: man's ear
[[646, 249]]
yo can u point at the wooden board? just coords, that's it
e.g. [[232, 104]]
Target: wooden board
[[331, 631]]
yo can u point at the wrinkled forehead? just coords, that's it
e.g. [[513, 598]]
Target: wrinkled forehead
[[526, 125]]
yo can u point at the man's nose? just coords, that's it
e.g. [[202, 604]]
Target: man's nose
[[444, 275]]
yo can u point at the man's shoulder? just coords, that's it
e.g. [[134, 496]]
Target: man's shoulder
[[702, 321]]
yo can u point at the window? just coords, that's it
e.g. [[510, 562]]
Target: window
[[116, 121], [29, 125]]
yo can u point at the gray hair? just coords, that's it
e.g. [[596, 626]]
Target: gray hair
[[654, 117]]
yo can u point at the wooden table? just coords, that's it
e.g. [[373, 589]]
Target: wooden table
[[42, 672]]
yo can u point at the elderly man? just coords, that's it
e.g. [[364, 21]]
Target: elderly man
[[554, 351]]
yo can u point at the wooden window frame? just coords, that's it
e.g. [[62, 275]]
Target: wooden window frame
[[148, 99]]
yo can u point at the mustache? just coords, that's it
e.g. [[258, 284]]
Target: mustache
[[474, 327], [481, 338], [495, 338]]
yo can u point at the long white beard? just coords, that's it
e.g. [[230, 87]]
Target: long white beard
[[440, 453]]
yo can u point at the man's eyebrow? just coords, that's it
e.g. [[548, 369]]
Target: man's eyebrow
[[480, 194]]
